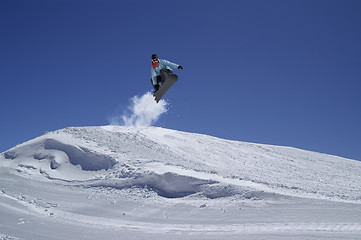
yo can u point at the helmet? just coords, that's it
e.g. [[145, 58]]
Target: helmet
[[154, 56]]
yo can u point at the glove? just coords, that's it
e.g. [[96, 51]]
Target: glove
[[180, 67]]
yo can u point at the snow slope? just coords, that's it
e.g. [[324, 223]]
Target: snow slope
[[116, 182]]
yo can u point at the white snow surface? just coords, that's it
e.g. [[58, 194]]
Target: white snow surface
[[114, 182]]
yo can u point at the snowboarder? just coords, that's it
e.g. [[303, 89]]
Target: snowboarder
[[161, 70]]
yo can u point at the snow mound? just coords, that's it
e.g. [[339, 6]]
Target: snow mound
[[56, 152], [54, 158], [88, 161], [155, 183], [176, 164]]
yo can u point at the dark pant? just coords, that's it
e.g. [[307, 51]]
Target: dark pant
[[164, 74]]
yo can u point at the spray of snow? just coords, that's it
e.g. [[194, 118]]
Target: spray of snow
[[141, 111]]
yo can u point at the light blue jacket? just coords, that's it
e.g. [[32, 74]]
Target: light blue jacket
[[163, 64]]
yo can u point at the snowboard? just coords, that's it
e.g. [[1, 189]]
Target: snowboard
[[166, 85]]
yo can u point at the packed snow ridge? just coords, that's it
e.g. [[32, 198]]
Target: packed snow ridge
[[176, 164]]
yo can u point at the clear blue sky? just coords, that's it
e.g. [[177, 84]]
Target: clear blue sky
[[275, 72]]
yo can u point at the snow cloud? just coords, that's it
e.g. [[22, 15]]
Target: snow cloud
[[142, 111]]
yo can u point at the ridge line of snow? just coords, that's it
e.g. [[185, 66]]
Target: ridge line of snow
[[160, 168]]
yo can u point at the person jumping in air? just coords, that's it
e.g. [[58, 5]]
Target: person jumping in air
[[162, 70]]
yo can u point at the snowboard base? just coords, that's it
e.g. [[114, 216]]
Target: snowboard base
[[167, 84]]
